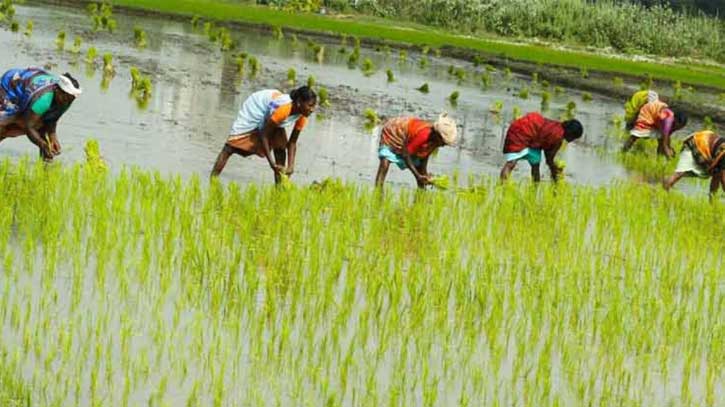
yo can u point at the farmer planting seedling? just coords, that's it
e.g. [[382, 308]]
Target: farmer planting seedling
[[656, 120], [702, 156]]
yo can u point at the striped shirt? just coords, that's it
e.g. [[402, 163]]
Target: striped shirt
[[412, 132], [266, 105]]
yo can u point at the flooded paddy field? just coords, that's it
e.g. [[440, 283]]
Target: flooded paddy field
[[197, 92]]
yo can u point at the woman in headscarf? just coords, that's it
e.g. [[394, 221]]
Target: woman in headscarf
[[31, 102], [408, 143], [656, 120]]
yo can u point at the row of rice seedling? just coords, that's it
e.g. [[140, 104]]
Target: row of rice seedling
[[140, 289]]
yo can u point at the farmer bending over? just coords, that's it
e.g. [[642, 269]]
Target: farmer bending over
[[656, 120], [260, 128], [635, 104], [31, 102], [408, 142], [702, 156], [531, 134]]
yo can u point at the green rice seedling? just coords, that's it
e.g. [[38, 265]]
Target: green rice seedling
[[239, 63], [424, 88], [94, 160], [516, 112], [584, 73], [403, 55], [496, 107], [545, 101], [60, 40], [390, 75], [677, 90], [324, 98], [485, 80], [254, 66], [311, 81], [507, 73], [451, 70], [523, 93], [441, 182], [226, 42], [28, 28], [617, 82], [570, 111], [139, 37], [453, 98], [343, 40], [708, 124], [647, 82], [460, 75], [91, 55], [371, 117], [535, 78], [108, 68], [368, 67], [558, 90], [477, 61], [291, 77], [586, 96], [423, 63], [76, 45], [545, 84], [353, 59], [491, 69], [277, 33], [319, 51], [14, 26], [195, 20]]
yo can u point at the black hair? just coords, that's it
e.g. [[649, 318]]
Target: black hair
[[680, 118], [572, 129], [73, 80], [303, 94]]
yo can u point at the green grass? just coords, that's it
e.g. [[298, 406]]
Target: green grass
[[368, 27]]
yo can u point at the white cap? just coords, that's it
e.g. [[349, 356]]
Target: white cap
[[446, 127], [67, 86]]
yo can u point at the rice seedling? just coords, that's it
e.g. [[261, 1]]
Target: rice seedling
[[195, 20], [545, 101], [617, 82], [534, 78], [311, 81], [478, 60], [141, 87], [507, 73], [424, 88], [485, 80], [496, 107], [60, 40], [423, 62], [441, 182], [390, 75], [460, 75], [453, 98], [254, 66], [570, 111], [277, 33], [91, 55], [226, 42], [14, 26], [523, 93], [368, 68], [239, 63], [558, 90], [545, 84], [291, 77], [77, 41], [586, 96], [677, 90], [371, 117], [708, 124], [584, 73], [516, 112], [403, 55], [353, 59], [647, 82], [139, 37], [324, 97], [28, 28], [108, 68]]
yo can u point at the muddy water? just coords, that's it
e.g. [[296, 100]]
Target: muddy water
[[197, 93]]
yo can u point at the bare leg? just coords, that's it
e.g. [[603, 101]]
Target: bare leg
[[422, 170], [536, 172], [382, 172], [629, 143], [507, 169], [663, 147], [280, 158], [221, 161], [671, 181]]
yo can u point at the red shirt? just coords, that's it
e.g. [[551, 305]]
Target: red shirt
[[418, 136], [533, 131]]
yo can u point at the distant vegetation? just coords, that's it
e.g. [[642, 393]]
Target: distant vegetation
[[668, 28]]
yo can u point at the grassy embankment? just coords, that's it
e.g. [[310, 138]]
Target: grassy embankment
[[367, 27]]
